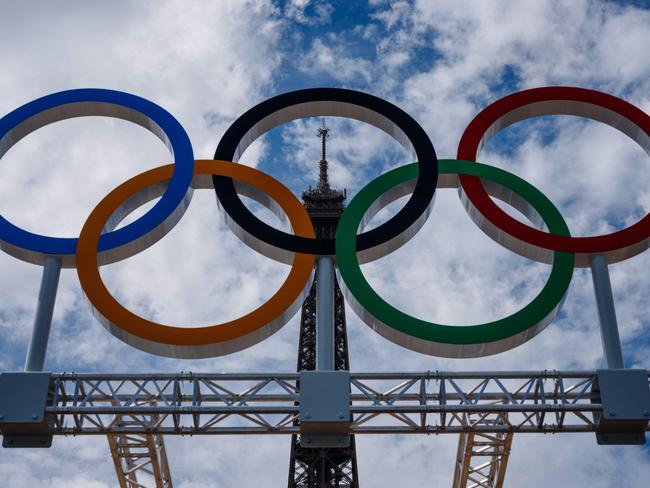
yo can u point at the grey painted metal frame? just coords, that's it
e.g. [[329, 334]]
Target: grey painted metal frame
[[606, 313], [325, 314], [43, 319], [382, 403]]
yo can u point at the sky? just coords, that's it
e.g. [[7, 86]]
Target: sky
[[207, 62]]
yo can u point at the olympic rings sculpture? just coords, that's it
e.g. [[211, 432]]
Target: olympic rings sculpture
[[101, 242]]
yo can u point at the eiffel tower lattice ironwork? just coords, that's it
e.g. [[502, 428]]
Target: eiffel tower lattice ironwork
[[323, 467]]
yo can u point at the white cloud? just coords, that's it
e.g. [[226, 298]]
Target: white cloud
[[206, 63], [596, 176], [327, 56], [297, 10]]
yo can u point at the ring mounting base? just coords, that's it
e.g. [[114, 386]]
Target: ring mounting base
[[625, 396], [23, 399]]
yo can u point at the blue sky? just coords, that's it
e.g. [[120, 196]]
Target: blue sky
[[208, 62]]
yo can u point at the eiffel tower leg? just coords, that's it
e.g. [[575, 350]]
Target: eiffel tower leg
[[329, 467]]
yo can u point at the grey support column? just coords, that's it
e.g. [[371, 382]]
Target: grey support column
[[325, 314], [606, 313], [43, 319]]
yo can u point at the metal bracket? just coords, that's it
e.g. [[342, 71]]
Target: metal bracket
[[23, 399], [625, 397], [325, 408]]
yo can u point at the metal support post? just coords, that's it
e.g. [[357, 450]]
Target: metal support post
[[43, 319], [606, 312], [325, 314]]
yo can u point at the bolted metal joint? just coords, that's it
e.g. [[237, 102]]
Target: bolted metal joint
[[625, 397], [23, 400], [324, 408]]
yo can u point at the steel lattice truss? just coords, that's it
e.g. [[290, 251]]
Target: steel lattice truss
[[482, 458], [140, 460], [382, 403]]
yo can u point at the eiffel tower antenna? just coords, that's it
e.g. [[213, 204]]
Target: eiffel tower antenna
[[323, 177]]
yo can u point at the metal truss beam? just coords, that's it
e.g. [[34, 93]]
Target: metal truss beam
[[382, 403], [140, 460], [482, 458]]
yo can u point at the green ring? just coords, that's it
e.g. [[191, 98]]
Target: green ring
[[446, 340]]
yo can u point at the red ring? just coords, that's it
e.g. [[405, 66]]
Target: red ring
[[556, 100]]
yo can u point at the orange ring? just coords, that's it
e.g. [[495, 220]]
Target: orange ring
[[199, 342]]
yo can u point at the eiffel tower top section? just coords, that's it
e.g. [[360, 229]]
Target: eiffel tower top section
[[323, 201]]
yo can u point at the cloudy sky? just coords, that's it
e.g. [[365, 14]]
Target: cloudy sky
[[209, 61]]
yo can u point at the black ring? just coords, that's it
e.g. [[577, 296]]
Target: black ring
[[333, 102]]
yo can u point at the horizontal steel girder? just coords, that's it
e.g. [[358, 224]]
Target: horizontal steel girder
[[382, 403]]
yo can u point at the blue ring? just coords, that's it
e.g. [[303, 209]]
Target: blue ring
[[110, 103]]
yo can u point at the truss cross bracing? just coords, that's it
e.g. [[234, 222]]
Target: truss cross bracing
[[140, 460], [482, 458], [382, 403]]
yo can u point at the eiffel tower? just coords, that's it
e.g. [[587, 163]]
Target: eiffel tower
[[323, 467]]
